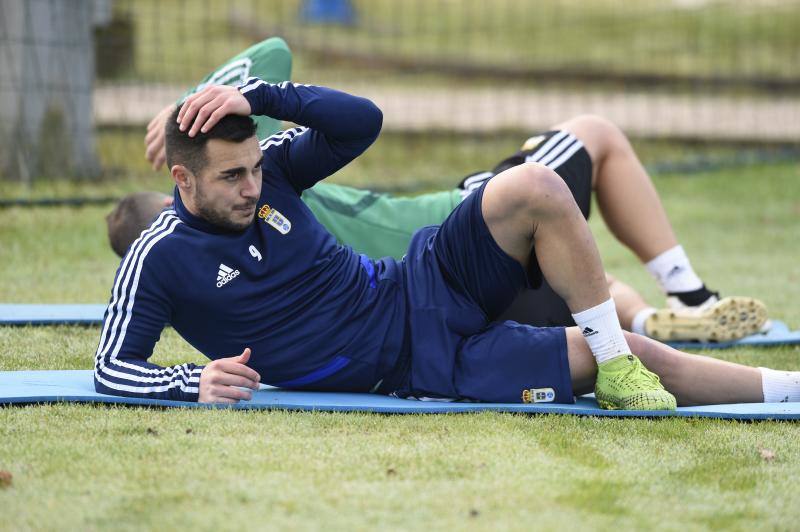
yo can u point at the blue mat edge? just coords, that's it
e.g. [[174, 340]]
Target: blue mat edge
[[584, 412], [18, 314], [403, 406], [779, 334]]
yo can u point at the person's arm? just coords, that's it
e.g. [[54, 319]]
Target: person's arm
[[269, 59], [137, 312], [154, 141], [337, 127], [136, 315]]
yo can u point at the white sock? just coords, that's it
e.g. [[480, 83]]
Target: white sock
[[639, 320], [780, 386], [674, 272], [601, 329]]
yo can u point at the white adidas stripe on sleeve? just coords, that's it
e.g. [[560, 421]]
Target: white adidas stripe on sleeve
[[282, 137], [118, 317], [116, 292]]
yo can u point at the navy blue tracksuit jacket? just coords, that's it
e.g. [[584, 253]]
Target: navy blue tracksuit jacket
[[315, 314]]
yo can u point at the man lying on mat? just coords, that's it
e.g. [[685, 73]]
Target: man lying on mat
[[591, 155], [240, 265]]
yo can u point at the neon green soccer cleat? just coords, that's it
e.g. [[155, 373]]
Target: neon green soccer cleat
[[623, 383]]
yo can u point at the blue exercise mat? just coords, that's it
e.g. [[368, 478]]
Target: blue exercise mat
[[25, 387], [21, 314], [14, 314], [778, 334]]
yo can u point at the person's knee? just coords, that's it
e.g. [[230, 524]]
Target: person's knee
[[598, 125], [600, 134], [541, 189], [527, 193]]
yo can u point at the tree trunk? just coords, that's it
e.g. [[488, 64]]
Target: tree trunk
[[47, 68]]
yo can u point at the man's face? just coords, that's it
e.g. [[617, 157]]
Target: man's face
[[226, 191]]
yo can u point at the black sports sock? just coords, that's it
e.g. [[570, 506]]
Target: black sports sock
[[695, 297]]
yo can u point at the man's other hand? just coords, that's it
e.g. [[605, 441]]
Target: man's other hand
[[221, 380], [204, 109], [155, 147]]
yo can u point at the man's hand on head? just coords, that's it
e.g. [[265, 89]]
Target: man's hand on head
[[221, 380], [154, 141], [204, 109]]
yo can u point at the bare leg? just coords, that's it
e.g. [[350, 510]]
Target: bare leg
[[692, 379], [626, 196], [531, 203], [628, 301]]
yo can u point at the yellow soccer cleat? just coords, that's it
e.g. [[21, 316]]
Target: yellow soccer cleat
[[623, 383]]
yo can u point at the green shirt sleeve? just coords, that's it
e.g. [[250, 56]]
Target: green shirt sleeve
[[377, 225]]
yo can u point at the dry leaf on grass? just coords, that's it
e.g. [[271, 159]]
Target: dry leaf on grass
[[767, 454]]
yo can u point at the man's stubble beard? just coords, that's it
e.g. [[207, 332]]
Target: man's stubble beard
[[215, 217]]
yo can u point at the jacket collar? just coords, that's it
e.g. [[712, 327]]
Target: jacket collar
[[195, 221]]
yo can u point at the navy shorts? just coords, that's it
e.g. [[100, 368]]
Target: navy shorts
[[458, 282], [564, 153]]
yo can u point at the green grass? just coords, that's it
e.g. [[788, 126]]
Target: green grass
[[79, 467], [177, 40], [85, 468]]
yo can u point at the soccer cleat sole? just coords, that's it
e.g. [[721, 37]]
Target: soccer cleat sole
[[729, 319], [659, 400]]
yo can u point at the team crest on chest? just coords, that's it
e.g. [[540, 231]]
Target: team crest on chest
[[275, 219]]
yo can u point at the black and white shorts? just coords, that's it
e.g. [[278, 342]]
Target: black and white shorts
[[565, 154], [561, 151]]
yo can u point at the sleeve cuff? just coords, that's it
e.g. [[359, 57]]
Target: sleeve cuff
[[254, 93]]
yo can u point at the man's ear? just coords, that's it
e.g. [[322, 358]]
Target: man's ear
[[182, 176]]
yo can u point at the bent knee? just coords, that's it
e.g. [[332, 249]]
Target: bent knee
[[597, 133], [538, 186], [530, 189], [596, 123]]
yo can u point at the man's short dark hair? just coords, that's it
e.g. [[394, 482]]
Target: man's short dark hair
[[190, 151], [132, 215]]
